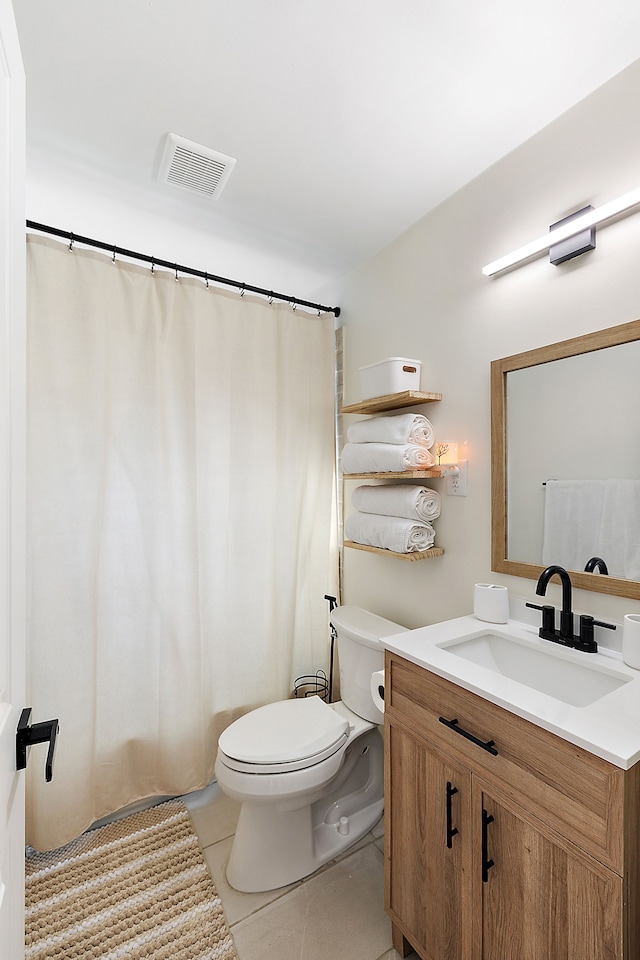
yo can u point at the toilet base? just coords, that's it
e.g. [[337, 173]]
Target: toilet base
[[278, 843]]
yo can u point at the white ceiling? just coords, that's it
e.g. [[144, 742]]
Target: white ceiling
[[349, 119]]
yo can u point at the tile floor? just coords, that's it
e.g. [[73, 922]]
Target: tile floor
[[337, 912]]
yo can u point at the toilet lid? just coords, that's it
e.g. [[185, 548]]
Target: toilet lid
[[286, 731]]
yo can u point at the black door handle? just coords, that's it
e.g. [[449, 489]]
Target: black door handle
[[26, 736], [451, 830], [454, 725], [486, 863]]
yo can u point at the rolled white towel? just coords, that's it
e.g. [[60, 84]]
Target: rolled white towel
[[405, 428], [390, 533], [385, 457], [398, 500]]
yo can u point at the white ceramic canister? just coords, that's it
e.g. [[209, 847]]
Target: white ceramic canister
[[631, 640], [491, 602]]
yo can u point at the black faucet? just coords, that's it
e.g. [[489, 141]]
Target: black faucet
[[596, 563], [585, 641], [566, 617]]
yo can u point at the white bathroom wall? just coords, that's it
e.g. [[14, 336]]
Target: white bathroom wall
[[425, 297], [84, 199]]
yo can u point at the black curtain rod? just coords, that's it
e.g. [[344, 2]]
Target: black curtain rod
[[179, 268]]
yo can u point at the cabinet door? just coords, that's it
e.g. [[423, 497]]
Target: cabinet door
[[428, 846], [541, 897]]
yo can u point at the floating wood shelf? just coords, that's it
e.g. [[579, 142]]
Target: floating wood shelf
[[418, 555], [431, 473], [392, 401]]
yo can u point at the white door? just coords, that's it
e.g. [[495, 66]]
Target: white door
[[12, 482]]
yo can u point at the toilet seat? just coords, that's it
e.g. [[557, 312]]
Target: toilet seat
[[283, 736]]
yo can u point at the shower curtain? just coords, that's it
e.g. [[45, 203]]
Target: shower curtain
[[181, 502]]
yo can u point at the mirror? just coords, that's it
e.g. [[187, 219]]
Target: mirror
[[564, 423]]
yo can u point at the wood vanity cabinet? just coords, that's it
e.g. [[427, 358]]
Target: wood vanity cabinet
[[502, 841]]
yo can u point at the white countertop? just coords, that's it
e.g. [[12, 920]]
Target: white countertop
[[608, 728]]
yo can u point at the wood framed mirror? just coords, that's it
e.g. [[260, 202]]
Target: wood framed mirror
[[567, 412]]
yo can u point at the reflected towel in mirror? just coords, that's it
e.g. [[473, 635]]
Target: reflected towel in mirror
[[586, 518]]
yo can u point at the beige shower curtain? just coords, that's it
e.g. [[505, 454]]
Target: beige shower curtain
[[180, 491]]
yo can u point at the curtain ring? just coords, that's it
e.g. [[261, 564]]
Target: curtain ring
[[153, 267], [242, 291], [71, 243], [294, 306], [206, 279], [271, 298], [176, 266], [113, 258]]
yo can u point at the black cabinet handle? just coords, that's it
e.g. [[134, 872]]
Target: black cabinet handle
[[26, 736], [486, 863], [486, 745], [451, 830]]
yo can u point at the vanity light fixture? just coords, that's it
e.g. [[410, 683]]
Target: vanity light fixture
[[576, 224]]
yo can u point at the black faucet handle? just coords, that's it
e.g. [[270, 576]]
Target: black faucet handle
[[548, 619], [586, 642]]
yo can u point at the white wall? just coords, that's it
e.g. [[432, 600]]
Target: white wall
[[63, 193], [425, 297]]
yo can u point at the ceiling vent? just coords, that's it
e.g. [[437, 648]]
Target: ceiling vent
[[192, 167]]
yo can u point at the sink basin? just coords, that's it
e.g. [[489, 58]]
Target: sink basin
[[555, 672]]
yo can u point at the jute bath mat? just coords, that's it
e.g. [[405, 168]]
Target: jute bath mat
[[137, 889]]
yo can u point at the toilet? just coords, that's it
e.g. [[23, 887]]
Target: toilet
[[309, 775]]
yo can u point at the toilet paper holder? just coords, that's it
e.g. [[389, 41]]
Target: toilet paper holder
[[377, 685], [312, 685]]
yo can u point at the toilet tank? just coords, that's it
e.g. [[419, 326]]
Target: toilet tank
[[361, 653]]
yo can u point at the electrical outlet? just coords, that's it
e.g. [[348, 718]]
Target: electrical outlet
[[457, 486]]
